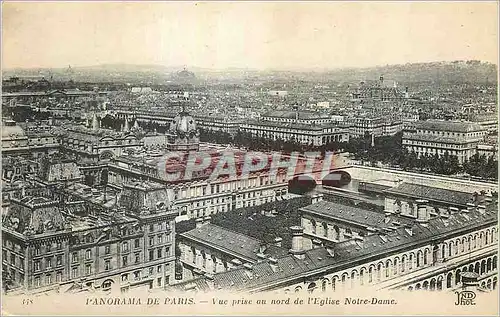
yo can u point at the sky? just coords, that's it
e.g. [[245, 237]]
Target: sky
[[262, 35]]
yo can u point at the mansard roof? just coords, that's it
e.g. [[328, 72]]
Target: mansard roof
[[287, 269], [418, 191]]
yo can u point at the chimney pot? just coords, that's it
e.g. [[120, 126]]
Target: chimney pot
[[297, 241], [277, 241], [199, 222]]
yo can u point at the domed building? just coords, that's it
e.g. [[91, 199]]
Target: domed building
[[185, 132]]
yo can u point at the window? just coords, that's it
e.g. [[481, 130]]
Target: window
[[107, 265], [158, 269], [124, 277], [159, 251], [137, 275], [59, 245], [125, 246], [37, 250], [151, 255], [151, 241], [151, 228], [37, 281], [47, 247], [136, 243], [159, 239], [88, 269], [167, 251], [36, 265], [137, 257], [159, 281], [59, 276], [48, 262], [88, 254], [74, 257], [59, 260], [74, 272], [107, 249], [125, 260], [12, 259]]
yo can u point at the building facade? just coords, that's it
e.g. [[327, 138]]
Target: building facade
[[434, 137]]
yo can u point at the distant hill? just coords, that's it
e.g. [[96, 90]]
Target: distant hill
[[437, 72]]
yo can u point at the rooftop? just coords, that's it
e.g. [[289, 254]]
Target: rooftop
[[448, 196], [288, 269], [230, 241], [358, 216], [452, 126]]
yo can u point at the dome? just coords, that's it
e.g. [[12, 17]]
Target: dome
[[10, 130]]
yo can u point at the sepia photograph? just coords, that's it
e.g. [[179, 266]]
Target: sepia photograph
[[292, 158]]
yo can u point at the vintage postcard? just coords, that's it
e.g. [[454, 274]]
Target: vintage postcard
[[190, 158]]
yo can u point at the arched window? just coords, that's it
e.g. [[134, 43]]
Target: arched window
[[379, 271], [449, 280], [457, 277], [334, 282], [487, 237], [410, 263], [395, 269], [362, 276], [388, 267], [450, 247], [353, 278], [426, 256], [457, 246], [325, 229], [488, 265], [324, 285], [311, 288], [370, 274], [477, 268], [419, 258], [443, 251], [298, 289], [494, 263], [468, 243]]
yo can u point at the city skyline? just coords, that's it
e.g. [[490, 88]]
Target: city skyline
[[247, 35]]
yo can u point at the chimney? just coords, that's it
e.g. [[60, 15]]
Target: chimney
[[199, 222], [277, 241], [359, 240], [207, 219], [248, 270], [488, 198], [317, 243], [261, 257], [236, 262], [481, 209], [316, 198], [453, 210], [481, 197], [409, 230], [471, 207], [422, 212], [469, 281], [297, 242], [273, 263]]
